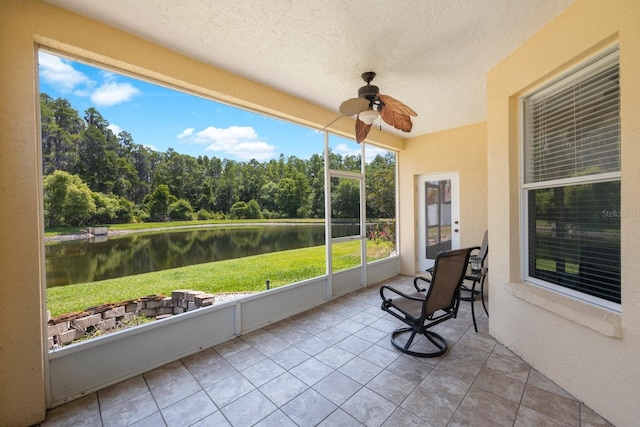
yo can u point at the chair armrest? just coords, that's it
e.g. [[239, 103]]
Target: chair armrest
[[474, 248], [415, 282], [397, 292]]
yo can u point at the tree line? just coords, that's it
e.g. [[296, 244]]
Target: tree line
[[93, 176]]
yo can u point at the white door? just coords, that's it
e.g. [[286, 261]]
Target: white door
[[438, 216]]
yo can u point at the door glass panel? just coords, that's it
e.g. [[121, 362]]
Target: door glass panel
[[345, 207], [438, 217]]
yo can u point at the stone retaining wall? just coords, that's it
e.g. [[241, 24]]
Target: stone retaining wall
[[70, 327]]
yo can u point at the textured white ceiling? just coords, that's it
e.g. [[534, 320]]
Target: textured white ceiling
[[433, 55]]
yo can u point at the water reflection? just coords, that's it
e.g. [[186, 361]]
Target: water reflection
[[85, 261]]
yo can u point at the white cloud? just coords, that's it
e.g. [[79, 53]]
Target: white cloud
[[114, 128], [186, 133], [150, 147], [60, 73], [112, 93], [345, 150], [370, 151], [241, 142]]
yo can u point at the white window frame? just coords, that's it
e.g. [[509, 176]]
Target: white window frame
[[554, 86]]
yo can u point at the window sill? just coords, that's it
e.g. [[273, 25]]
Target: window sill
[[596, 318]]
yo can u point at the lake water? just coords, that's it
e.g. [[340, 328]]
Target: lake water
[[83, 261]]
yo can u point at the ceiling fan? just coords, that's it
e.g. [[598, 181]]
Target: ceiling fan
[[370, 104]]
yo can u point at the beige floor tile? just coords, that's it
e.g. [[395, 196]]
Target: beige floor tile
[[337, 387], [334, 357], [482, 404], [262, 372], [277, 418], [368, 407], [75, 412], [360, 370], [188, 411], [230, 347], [311, 371], [244, 358], [229, 389], [249, 409], [500, 384], [590, 418], [283, 388], [403, 418], [551, 404], [527, 417], [122, 392], [153, 420], [290, 358], [340, 418], [436, 408], [129, 412], [392, 387], [309, 408]]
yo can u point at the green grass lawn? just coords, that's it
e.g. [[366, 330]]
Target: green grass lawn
[[247, 274], [550, 265]]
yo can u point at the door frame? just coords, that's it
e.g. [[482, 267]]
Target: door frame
[[422, 262]]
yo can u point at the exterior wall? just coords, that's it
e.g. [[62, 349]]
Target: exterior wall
[[24, 25], [461, 150], [591, 352]]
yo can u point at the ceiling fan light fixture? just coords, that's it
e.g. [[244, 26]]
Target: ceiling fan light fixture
[[368, 116]]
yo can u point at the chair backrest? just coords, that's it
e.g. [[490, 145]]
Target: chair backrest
[[448, 272], [484, 249]]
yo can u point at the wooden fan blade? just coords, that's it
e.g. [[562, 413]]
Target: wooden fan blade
[[362, 130], [353, 106], [396, 105], [396, 119]]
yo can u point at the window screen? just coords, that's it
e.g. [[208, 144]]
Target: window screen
[[572, 181]]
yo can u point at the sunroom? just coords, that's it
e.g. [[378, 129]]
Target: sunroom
[[584, 341]]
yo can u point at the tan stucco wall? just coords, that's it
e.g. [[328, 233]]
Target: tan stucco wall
[[24, 24], [593, 353], [461, 150]]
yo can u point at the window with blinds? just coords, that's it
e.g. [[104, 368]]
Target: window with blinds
[[571, 182]]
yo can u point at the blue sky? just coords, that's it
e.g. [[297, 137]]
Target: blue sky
[[162, 118]]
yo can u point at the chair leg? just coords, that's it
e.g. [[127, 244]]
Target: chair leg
[[482, 297], [437, 340], [473, 312]]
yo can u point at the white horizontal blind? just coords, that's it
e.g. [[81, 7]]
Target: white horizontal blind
[[573, 126], [572, 181]]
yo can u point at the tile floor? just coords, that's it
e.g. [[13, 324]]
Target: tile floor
[[334, 366]]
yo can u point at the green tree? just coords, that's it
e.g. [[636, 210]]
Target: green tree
[[111, 209], [67, 200], [292, 196], [268, 196], [380, 184], [61, 126], [158, 203], [180, 210], [242, 210], [315, 173], [345, 199]]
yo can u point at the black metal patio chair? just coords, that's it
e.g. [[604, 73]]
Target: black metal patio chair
[[427, 307]]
